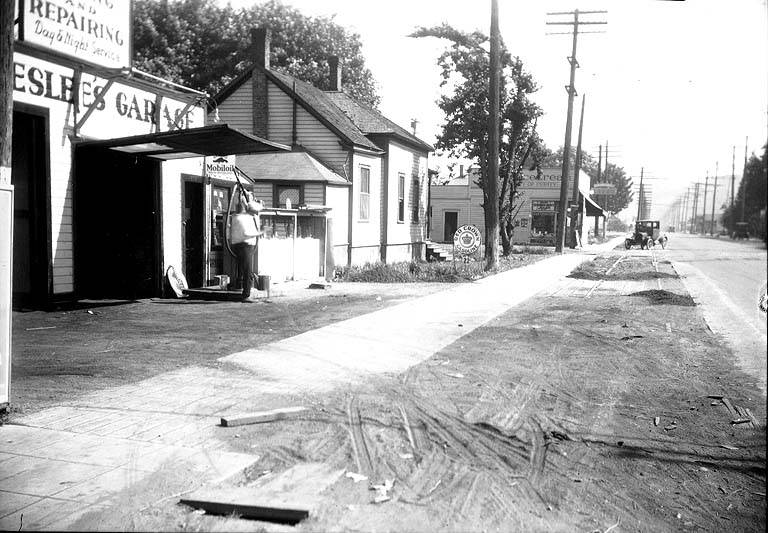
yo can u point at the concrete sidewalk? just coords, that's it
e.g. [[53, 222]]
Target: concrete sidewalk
[[150, 440]]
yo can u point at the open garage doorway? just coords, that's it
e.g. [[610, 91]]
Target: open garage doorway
[[31, 240], [117, 225]]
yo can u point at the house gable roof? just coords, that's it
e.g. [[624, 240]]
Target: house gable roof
[[315, 101], [371, 122]]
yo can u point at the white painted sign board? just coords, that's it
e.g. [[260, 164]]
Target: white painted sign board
[[96, 31]]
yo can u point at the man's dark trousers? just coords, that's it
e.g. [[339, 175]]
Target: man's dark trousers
[[244, 253]]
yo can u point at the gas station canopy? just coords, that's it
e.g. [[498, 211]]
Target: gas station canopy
[[217, 139]]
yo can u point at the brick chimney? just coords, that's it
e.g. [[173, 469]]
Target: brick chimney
[[260, 38], [333, 63]]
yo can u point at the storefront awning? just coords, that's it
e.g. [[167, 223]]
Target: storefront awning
[[217, 139], [594, 210]]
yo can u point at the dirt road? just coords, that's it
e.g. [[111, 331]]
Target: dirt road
[[727, 278], [605, 403]]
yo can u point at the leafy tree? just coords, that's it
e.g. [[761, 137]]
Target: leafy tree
[[465, 68], [204, 46], [751, 197]]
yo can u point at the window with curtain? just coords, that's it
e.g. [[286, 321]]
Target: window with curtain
[[365, 193], [401, 198]]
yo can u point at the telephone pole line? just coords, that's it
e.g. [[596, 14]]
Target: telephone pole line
[[560, 233], [743, 185], [714, 195], [733, 183], [640, 195]]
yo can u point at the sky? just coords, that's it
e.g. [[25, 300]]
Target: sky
[[671, 86]]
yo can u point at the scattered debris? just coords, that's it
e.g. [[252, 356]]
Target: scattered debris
[[90, 312], [457, 375], [715, 396], [319, 286], [620, 443], [669, 327], [656, 421], [261, 417], [670, 427], [357, 478], [41, 327], [378, 298], [740, 421], [383, 490], [559, 436], [715, 403], [405, 455], [628, 337], [461, 325], [728, 447]]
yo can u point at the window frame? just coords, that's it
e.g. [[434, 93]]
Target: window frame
[[401, 197], [365, 179], [416, 197]]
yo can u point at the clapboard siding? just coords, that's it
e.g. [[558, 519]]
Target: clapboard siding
[[310, 132], [313, 193], [236, 109], [263, 191]]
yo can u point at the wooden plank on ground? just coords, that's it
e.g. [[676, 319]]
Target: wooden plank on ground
[[729, 405], [287, 498], [261, 416], [247, 503]]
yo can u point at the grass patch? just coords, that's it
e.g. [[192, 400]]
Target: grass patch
[[436, 271]]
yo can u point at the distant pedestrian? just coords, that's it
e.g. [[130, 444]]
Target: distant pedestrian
[[244, 231]]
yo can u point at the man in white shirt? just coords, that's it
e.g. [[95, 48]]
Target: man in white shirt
[[244, 231]]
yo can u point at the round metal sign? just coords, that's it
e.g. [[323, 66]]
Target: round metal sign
[[466, 240]]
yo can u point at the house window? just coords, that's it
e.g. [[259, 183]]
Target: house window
[[365, 193], [415, 201], [401, 198], [285, 193]]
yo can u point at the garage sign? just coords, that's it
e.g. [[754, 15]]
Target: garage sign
[[466, 239]]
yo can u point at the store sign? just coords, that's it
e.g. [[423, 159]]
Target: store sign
[[605, 189], [544, 205], [96, 31], [220, 167], [466, 240], [547, 179], [137, 111]]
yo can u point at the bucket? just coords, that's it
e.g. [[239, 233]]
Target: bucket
[[262, 283]]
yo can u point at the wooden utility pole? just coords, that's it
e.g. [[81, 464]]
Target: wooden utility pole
[[640, 195], [744, 183], [714, 195], [575, 195], [492, 187], [695, 208], [565, 175], [733, 183], [6, 89], [600, 198], [704, 203]]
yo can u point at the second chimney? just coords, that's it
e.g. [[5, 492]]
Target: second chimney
[[335, 67], [260, 38]]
